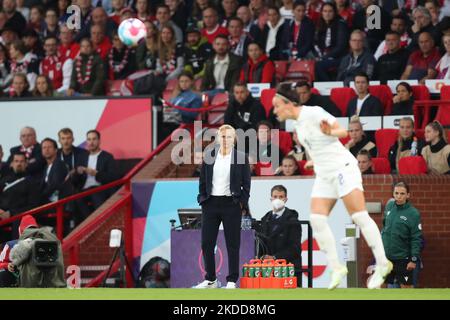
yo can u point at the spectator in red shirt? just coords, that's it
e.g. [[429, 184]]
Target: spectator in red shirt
[[422, 62], [57, 69], [346, 11], [101, 44], [68, 48], [211, 27], [258, 68], [313, 10]]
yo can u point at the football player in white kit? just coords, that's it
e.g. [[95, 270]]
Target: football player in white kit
[[337, 177]]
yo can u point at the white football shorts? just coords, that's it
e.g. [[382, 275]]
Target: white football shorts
[[339, 184]]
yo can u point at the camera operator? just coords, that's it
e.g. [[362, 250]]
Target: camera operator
[[24, 262]]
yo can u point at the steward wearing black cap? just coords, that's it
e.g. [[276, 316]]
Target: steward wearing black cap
[[197, 51]]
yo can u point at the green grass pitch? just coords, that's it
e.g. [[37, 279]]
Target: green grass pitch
[[222, 294]]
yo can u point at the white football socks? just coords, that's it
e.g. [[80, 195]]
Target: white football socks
[[372, 235], [325, 238]]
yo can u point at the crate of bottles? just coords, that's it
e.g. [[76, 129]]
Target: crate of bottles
[[269, 274]]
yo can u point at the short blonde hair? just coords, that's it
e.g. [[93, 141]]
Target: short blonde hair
[[227, 127]]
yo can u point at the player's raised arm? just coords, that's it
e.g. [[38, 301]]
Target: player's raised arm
[[334, 130]]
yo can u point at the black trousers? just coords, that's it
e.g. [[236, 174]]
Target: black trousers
[[215, 211]]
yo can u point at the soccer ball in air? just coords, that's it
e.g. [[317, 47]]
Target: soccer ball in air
[[131, 31]]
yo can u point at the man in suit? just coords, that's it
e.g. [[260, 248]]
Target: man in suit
[[72, 156], [307, 98], [55, 173], [222, 70], [32, 150], [298, 41], [364, 104], [224, 189], [18, 193], [281, 231], [98, 169]]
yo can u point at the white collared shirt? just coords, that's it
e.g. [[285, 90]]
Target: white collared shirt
[[92, 163], [221, 175], [278, 214], [359, 104], [220, 70]]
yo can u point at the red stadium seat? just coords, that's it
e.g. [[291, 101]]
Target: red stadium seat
[[341, 97], [381, 166], [171, 84], [216, 115], [303, 171], [119, 87], [345, 140], [301, 69], [443, 113], [412, 165], [281, 68], [384, 93], [266, 99], [420, 134], [421, 117], [264, 169], [384, 139], [220, 99], [198, 84], [284, 141], [315, 91]]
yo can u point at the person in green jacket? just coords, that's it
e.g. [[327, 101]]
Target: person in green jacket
[[402, 236]]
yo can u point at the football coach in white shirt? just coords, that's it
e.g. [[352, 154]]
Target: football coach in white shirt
[[224, 189]]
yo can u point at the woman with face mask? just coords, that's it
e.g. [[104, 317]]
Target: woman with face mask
[[281, 231]]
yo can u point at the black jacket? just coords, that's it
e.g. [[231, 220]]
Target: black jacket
[[239, 177], [35, 163], [231, 76], [260, 36], [56, 181], [106, 170], [371, 107], [18, 193], [360, 145], [403, 107], [325, 103], [390, 66], [305, 38], [339, 40], [76, 158], [4, 169], [348, 70], [244, 116], [282, 236], [406, 146]]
